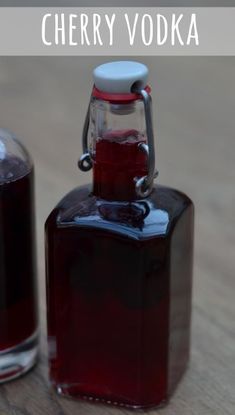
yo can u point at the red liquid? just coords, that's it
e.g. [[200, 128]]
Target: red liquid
[[18, 319], [118, 160], [113, 336]]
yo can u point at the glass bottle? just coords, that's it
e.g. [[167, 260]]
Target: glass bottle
[[18, 311], [119, 259]]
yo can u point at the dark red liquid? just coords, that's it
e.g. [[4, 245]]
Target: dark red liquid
[[17, 257], [118, 326], [118, 161]]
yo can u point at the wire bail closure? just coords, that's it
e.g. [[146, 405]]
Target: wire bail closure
[[85, 162], [143, 185]]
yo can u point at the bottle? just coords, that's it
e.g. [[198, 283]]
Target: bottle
[[18, 308], [119, 258]]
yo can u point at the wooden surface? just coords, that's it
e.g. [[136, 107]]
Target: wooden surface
[[44, 101]]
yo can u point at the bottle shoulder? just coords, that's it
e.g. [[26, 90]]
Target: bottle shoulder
[[15, 161], [145, 218]]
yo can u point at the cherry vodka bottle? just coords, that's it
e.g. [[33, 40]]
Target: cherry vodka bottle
[[119, 259], [18, 311]]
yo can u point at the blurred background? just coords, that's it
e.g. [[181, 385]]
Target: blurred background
[[44, 101]]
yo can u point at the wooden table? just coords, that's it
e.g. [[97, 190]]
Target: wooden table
[[44, 101]]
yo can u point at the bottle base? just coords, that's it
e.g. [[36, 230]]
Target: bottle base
[[72, 393], [17, 360]]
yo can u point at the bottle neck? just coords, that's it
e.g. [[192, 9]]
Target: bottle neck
[[117, 128], [118, 162]]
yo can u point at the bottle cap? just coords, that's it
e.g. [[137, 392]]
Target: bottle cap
[[118, 77]]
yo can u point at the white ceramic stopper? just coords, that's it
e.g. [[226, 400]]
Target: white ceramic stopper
[[118, 77]]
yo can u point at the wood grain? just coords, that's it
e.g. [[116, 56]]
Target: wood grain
[[43, 100]]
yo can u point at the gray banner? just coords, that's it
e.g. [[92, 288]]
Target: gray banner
[[26, 31]]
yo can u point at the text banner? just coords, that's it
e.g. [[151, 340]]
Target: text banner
[[128, 31]]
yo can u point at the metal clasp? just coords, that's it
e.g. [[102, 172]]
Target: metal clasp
[[85, 161], [143, 184]]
